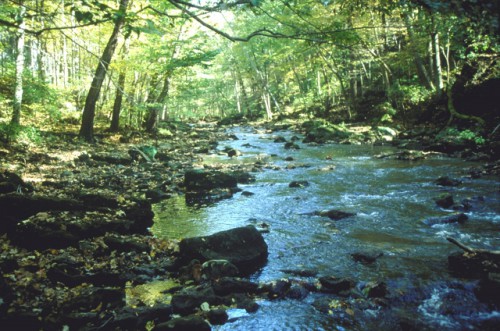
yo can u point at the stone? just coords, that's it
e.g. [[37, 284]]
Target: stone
[[244, 247], [488, 288], [279, 289], [452, 218], [331, 284], [297, 292], [447, 181], [367, 257], [291, 145], [188, 300], [376, 290], [216, 269], [445, 201], [156, 195], [299, 184], [189, 323], [199, 180], [229, 285], [335, 215], [243, 177], [217, 316], [234, 153]]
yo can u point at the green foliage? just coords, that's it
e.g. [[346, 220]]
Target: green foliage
[[386, 110], [461, 136], [408, 94], [26, 135]]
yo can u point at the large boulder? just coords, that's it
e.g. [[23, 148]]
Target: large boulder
[[244, 247]]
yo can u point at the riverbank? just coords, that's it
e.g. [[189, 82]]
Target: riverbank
[[77, 234]]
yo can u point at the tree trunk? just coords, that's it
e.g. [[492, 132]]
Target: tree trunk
[[117, 106], [422, 74], [87, 127], [18, 90], [154, 110]]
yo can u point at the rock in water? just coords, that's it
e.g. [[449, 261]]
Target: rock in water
[[453, 218], [335, 214], [244, 247], [197, 180]]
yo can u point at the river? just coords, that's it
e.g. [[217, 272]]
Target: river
[[390, 197]]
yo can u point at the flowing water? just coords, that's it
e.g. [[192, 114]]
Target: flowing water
[[390, 199]]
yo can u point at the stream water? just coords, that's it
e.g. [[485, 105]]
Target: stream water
[[390, 199]]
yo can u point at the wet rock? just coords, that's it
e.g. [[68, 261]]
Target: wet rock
[[244, 247], [291, 145], [301, 272], [488, 288], [376, 290], [208, 197], [366, 257], [137, 318], [279, 289], [297, 292], [447, 181], [280, 139], [199, 180], [334, 214], [234, 152], [189, 323], [445, 201], [467, 265], [447, 219], [245, 302], [247, 194], [299, 184], [216, 269], [229, 285], [243, 177], [156, 195], [186, 301], [332, 284], [217, 316], [322, 304]]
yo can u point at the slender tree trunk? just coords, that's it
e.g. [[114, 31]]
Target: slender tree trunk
[[87, 127], [438, 71], [18, 90], [117, 106], [421, 71]]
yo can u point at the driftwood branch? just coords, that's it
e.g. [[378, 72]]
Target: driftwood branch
[[486, 252]]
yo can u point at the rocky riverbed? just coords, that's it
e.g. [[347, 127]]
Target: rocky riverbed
[[76, 245]]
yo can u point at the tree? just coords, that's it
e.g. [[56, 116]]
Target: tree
[[87, 126], [18, 90]]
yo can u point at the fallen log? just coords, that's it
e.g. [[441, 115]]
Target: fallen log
[[486, 252]]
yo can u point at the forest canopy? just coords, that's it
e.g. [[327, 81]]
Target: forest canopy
[[126, 63]]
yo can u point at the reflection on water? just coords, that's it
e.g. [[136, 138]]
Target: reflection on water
[[390, 198]]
